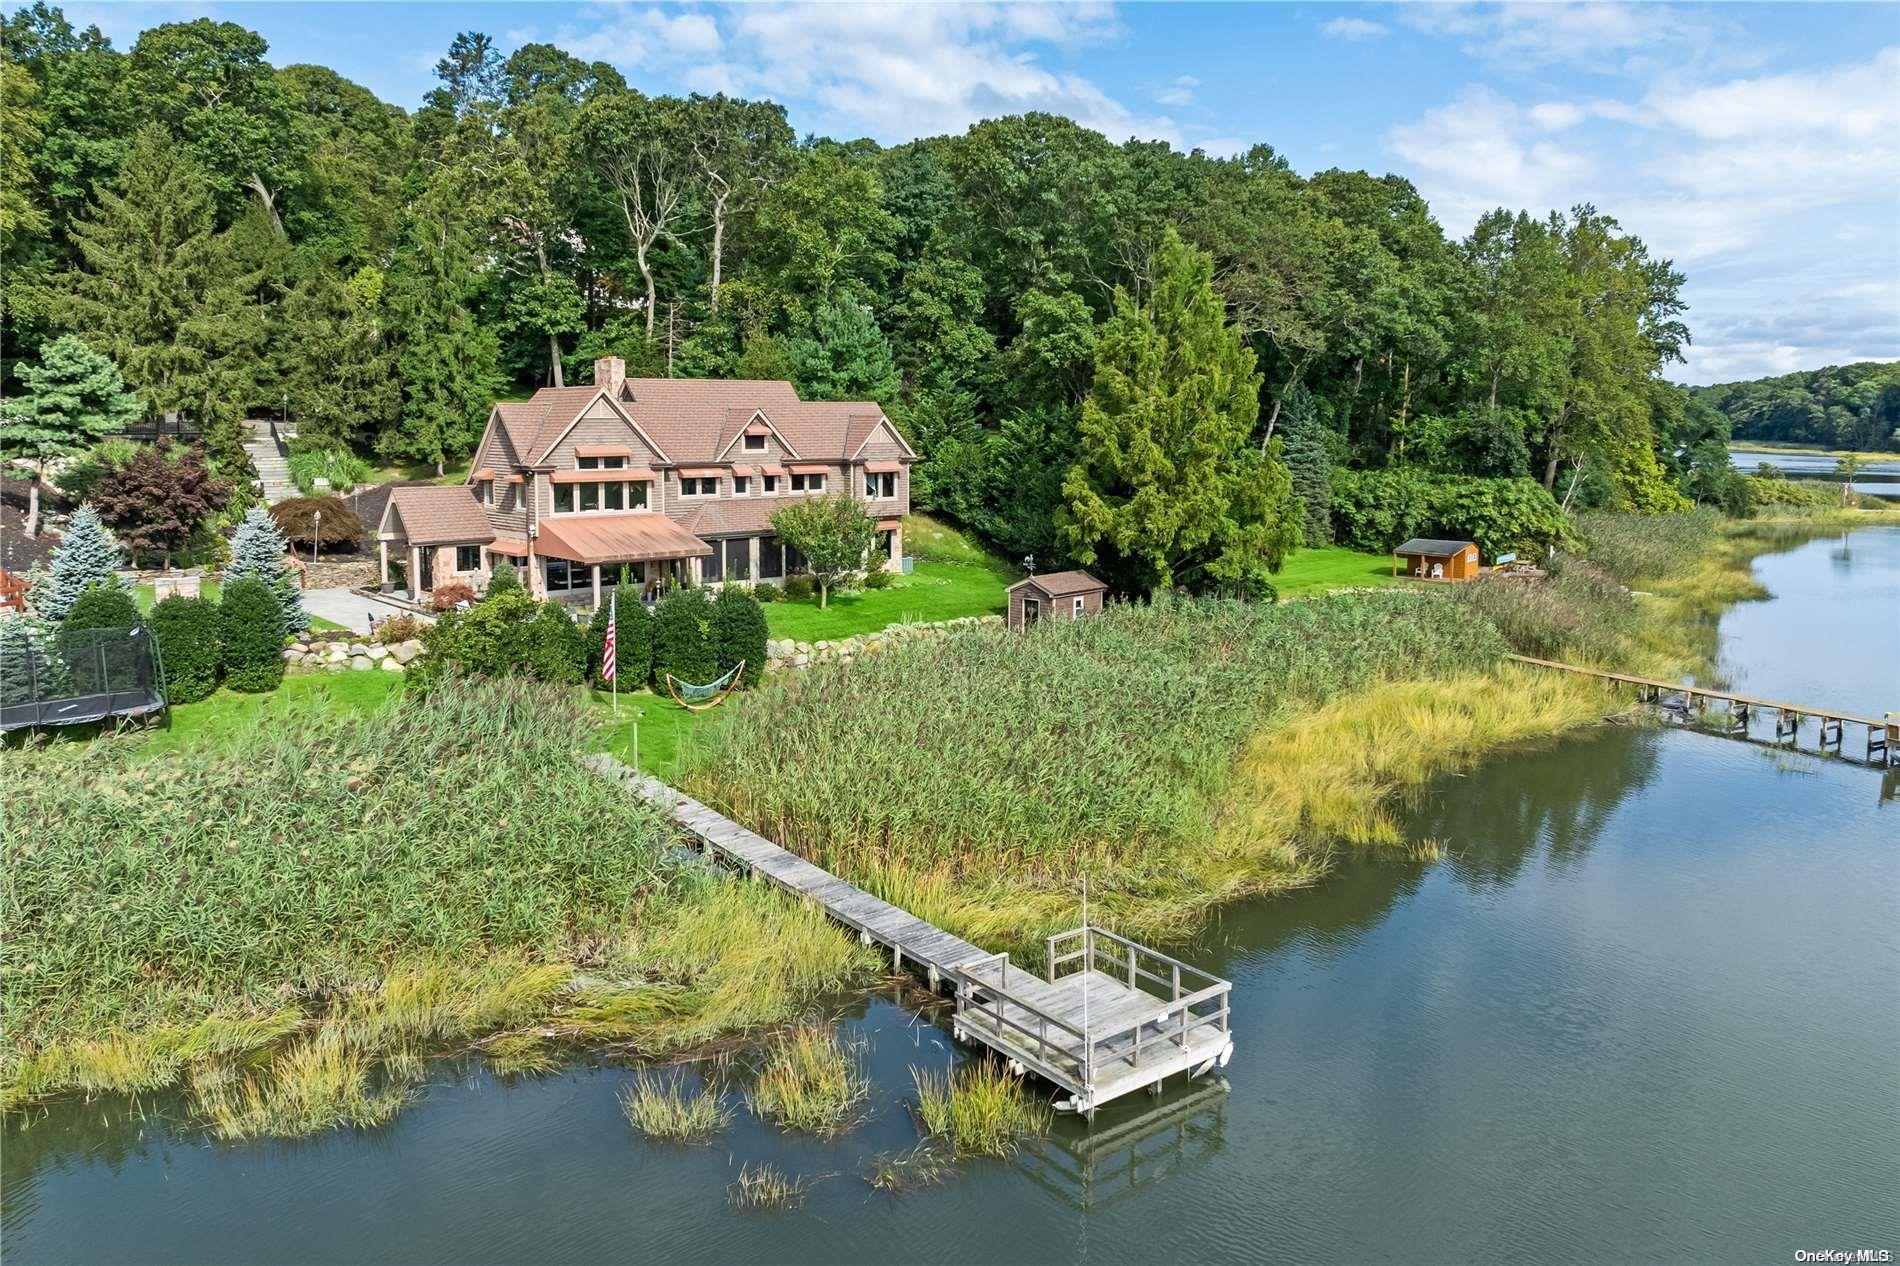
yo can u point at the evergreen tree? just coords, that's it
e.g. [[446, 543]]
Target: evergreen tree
[[1310, 466], [633, 638], [75, 398], [449, 365], [504, 579], [251, 628], [1168, 488], [680, 644], [29, 667], [845, 357], [186, 630], [258, 550], [86, 556], [739, 633], [158, 292], [338, 361]]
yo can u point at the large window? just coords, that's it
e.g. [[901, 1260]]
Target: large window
[[881, 484], [565, 577], [706, 486], [564, 498], [739, 559], [771, 558], [468, 558], [572, 498], [808, 483], [709, 566], [794, 562]]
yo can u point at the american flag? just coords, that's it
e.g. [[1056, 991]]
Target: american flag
[[607, 651]]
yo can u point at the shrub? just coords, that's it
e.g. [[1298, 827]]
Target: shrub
[[251, 623], [553, 647], [680, 644], [738, 633], [1777, 490], [400, 628], [188, 645], [798, 588], [766, 593], [449, 593], [328, 519], [1374, 510], [343, 469], [81, 476], [104, 606], [505, 577], [633, 639], [877, 575]]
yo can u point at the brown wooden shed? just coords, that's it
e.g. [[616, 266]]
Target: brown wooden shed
[[1060, 595], [1424, 559]]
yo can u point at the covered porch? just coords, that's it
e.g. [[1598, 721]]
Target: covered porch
[[577, 559]]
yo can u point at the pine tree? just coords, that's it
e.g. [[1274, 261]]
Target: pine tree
[[75, 398], [159, 292], [258, 549], [845, 357], [1168, 487], [86, 556], [1311, 467]]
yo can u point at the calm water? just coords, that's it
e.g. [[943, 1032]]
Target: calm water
[[1648, 1007], [1878, 477]]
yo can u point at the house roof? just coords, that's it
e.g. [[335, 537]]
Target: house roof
[[613, 538], [1430, 548], [695, 420], [732, 518], [433, 515], [1062, 584]]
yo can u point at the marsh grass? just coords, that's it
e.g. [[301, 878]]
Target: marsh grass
[[766, 1187], [663, 1108], [810, 1081], [979, 1109], [292, 923], [896, 1174]]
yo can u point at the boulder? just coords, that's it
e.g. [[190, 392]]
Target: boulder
[[360, 663], [392, 664]]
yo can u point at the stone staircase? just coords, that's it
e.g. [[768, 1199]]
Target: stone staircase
[[269, 456]]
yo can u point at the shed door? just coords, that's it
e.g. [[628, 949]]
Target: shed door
[[1032, 611]]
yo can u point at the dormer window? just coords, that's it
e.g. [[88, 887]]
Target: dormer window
[[754, 444], [602, 463]]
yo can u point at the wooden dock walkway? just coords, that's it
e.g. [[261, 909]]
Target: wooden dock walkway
[[1883, 736], [1105, 1018]]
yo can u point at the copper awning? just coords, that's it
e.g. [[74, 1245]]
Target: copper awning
[[882, 468], [701, 472], [602, 450], [744, 470], [889, 525], [617, 538], [599, 476], [811, 470]]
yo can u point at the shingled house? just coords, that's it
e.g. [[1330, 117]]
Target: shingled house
[[667, 477]]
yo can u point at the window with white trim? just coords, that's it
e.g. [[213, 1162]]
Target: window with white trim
[[880, 485], [771, 484], [702, 486], [468, 558], [485, 488], [740, 483], [808, 483], [1078, 606], [754, 444], [601, 463]]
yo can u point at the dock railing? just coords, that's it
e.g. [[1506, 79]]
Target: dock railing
[[1187, 1000]]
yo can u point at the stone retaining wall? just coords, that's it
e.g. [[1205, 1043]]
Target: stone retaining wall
[[351, 652], [790, 653]]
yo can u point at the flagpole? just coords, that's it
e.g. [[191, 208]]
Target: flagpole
[[613, 631]]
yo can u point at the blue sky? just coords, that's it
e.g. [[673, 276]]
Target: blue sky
[[1758, 145]]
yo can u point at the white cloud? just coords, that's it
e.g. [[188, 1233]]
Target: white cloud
[[1352, 29], [1180, 92], [1481, 152], [637, 37], [1600, 35]]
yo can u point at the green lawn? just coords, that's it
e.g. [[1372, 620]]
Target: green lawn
[[225, 715], [934, 591], [662, 728], [1310, 572]]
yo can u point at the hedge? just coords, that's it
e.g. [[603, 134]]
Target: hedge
[[251, 619], [633, 639], [680, 644], [188, 642], [738, 633]]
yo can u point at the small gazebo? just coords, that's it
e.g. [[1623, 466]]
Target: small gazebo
[[1426, 559]]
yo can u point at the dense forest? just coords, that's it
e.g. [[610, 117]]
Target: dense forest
[[240, 239], [1842, 406]]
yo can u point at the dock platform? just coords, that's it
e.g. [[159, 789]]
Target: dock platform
[[1104, 1018]]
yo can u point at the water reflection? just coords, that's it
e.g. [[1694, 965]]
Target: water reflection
[[1130, 1148]]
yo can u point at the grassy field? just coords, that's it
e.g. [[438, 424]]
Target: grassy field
[[650, 730], [1316, 571], [934, 591], [228, 719]]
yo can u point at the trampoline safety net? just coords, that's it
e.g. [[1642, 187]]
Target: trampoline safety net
[[72, 676]]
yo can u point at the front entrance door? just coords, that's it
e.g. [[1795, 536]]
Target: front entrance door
[[426, 582], [1032, 611]]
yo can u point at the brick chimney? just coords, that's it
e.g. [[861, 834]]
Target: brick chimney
[[610, 372]]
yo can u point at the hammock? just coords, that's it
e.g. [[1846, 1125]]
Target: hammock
[[699, 698]]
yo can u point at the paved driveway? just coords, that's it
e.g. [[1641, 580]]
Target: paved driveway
[[347, 607]]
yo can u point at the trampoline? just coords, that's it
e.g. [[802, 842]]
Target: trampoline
[[76, 676]]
